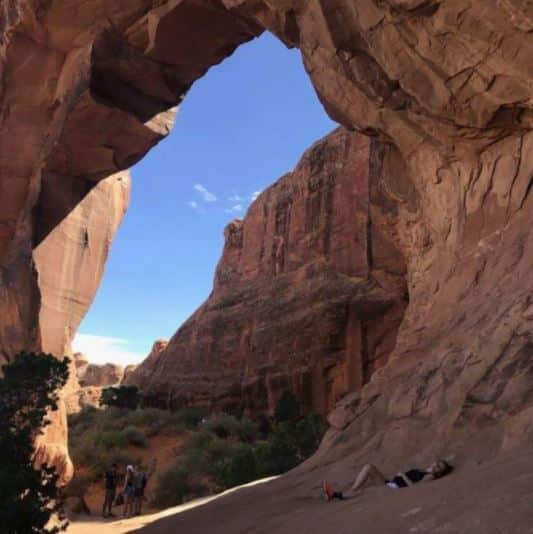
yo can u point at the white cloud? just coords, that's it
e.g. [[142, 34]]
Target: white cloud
[[255, 194], [196, 207], [235, 198], [235, 209], [206, 195], [103, 349]]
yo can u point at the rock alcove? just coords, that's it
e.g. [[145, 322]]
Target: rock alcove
[[89, 87]]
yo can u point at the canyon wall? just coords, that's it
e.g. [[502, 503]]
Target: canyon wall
[[63, 272], [89, 86], [308, 295]]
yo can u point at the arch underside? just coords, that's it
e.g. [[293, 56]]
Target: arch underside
[[89, 87]]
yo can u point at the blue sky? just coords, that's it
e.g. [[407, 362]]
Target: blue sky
[[240, 128]]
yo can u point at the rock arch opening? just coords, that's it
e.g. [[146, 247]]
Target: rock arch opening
[[309, 232], [449, 88]]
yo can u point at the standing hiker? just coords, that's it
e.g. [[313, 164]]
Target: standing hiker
[[111, 479], [140, 481], [139, 484], [128, 491]]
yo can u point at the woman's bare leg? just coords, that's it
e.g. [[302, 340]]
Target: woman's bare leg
[[369, 474]]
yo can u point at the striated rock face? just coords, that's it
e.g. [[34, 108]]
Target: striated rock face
[[66, 267], [308, 294], [142, 373], [88, 88]]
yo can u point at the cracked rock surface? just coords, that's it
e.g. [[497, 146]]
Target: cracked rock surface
[[87, 87], [308, 295]]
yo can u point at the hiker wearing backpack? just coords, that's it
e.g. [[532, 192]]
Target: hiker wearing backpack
[[139, 485]]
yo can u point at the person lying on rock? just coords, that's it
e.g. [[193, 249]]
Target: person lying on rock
[[370, 475]]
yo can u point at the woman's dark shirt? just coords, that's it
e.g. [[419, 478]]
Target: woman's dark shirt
[[414, 475]]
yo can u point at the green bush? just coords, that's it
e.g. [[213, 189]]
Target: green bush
[[218, 452], [222, 425], [110, 439], [279, 454], [171, 487], [240, 468], [287, 408], [247, 431], [225, 426], [198, 448], [128, 397], [309, 432], [191, 416], [135, 437]]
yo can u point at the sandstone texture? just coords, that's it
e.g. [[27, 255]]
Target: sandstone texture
[[308, 295], [65, 268], [88, 87], [490, 498], [92, 379]]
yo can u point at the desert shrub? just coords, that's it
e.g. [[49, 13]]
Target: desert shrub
[[190, 416], [82, 421], [222, 425], [247, 431], [172, 486], [278, 454], [216, 457], [287, 408], [110, 439], [240, 468], [135, 437], [225, 426], [292, 438], [308, 434], [217, 452], [98, 438], [198, 448]]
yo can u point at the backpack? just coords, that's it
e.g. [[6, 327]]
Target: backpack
[[140, 481]]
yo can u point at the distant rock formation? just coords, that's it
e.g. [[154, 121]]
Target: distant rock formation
[[92, 379], [141, 374], [108, 374], [446, 85], [308, 295]]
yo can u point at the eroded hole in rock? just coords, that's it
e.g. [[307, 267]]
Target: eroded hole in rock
[[310, 289], [308, 295]]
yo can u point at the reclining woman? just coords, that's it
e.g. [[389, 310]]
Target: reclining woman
[[371, 475]]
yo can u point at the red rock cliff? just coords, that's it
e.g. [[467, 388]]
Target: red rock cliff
[[46, 294], [88, 87], [308, 295]]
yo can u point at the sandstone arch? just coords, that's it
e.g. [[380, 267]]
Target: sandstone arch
[[89, 87]]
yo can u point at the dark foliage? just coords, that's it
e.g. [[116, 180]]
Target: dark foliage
[[29, 494], [127, 397], [287, 408]]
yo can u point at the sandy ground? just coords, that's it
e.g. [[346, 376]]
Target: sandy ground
[[481, 498], [90, 525]]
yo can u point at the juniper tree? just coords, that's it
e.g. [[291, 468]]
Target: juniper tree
[[29, 389]]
